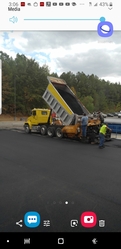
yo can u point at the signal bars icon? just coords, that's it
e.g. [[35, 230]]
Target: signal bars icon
[[13, 19]]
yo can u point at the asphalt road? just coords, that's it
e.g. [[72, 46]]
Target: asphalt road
[[59, 179]]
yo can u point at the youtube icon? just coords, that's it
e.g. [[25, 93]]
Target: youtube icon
[[41, 4]]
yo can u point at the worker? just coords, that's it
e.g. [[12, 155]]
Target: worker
[[92, 136], [102, 133], [84, 123], [53, 116], [100, 116]]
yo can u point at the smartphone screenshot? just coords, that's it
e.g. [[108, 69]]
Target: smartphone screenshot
[[60, 123]]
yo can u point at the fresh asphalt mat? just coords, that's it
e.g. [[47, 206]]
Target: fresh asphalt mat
[[60, 179]]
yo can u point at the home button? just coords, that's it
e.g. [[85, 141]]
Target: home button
[[60, 241]]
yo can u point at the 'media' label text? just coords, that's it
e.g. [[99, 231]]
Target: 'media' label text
[[13, 9]]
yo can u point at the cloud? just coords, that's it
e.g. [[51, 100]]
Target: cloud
[[65, 51]]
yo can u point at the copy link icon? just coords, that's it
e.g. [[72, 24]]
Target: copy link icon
[[104, 28]]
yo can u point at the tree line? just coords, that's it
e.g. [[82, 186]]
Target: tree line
[[24, 82]]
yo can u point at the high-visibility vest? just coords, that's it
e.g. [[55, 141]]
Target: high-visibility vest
[[103, 129]]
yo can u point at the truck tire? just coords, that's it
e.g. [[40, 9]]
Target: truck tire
[[43, 130], [58, 132], [27, 129], [51, 132]]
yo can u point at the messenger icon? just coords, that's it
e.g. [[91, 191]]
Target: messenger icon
[[32, 219]]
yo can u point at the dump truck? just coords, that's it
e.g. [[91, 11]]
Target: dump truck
[[69, 111]]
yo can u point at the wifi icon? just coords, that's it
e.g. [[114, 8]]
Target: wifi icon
[[13, 19]]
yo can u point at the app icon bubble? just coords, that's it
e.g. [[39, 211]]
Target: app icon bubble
[[32, 219], [105, 29], [88, 219]]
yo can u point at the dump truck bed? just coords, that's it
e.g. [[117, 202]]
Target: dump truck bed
[[62, 100]]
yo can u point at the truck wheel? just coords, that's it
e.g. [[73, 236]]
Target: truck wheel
[[43, 130], [59, 133], [27, 129], [50, 132]]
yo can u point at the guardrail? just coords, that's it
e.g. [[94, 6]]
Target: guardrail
[[116, 128]]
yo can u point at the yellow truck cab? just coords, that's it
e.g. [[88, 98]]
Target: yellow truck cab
[[38, 120]]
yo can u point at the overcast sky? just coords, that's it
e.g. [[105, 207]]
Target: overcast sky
[[65, 51]]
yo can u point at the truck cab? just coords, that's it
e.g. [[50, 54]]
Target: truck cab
[[37, 120]]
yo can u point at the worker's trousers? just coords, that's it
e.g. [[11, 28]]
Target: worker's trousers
[[102, 139], [84, 130]]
